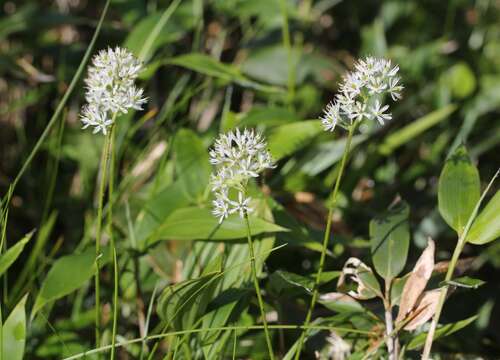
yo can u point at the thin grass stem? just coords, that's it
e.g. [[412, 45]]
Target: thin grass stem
[[257, 288], [326, 239]]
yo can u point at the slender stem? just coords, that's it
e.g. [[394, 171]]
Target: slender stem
[[114, 261], [389, 324], [451, 269], [326, 238], [221, 328], [257, 288], [62, 103], [98, 234]]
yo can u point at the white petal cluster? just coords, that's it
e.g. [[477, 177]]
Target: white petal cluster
[[361, 93], [237, 156], [110, 88]]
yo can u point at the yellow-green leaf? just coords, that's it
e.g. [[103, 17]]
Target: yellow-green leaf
[[486, 227]]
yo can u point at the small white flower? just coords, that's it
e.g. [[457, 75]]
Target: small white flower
[[93, 116], [238, 157], [394, 88], [370, 79], [331, 116], [379, 113], [110, 87], [242, 206]]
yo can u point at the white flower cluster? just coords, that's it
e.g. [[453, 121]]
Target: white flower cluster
[[110, 88], [238, 156], [361, 93]]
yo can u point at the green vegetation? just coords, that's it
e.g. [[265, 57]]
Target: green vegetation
[[212, 216]]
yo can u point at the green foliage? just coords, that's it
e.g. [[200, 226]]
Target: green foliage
[[66, 275], [270, 65], [390, 239], [8, 258], [14, 333], [459, 189], [486, 226]]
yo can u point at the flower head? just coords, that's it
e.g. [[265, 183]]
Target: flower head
[[110, 88], [237, 156], [361, 92]]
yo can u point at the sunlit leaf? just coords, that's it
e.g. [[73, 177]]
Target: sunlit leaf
[[8, 257], [486, 227], [14, 333]]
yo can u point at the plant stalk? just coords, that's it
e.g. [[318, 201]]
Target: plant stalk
[[98, 234], [392, 344], [326, 238], [257, 288], [451, 269], [114, 260]]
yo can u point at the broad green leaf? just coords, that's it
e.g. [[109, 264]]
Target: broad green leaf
[[445, 330], [195, 223], [465, 282], [157, 209], [340, 303], [287, 139], [389, 239], [191, 163], [458, 189], [181, 304], [160, 28], [14, 333], [66, 275], [486, 227], [414, 129], [210, 66], [8, 258], [284, 281]]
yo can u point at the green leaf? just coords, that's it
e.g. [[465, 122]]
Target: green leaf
[[287, 139], [464, 282], [340, 303], [445, 330], [181, 304], [461, 80], [414, 129], [157, 209], [191, 163], [284, 281], [66, 275], [193, 223], [458, 189], [389, 239], [486, 227], [14, 333], [159, 29], [8, 258], [210, 66]]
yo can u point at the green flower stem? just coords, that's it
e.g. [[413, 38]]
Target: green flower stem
[[257, 289], [451, 269], [326, 238], [112, 239], [98, 232]]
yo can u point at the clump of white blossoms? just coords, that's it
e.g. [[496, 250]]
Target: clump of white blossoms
[[237, 156], [362, 92], [110, 88]]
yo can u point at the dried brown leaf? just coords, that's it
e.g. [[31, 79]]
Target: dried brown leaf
[[417, 281], [425, 309]]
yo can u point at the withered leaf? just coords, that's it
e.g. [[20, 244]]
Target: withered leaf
[[417, 281], [425, 309]]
